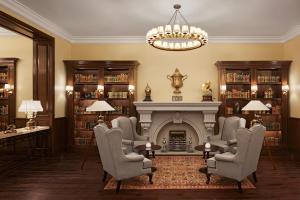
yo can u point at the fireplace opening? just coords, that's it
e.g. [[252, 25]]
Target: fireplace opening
[[177, 140]]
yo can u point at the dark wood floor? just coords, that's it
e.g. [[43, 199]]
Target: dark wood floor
[[60, 178]]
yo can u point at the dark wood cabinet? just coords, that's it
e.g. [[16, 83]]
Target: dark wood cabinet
[[7, 91], [242, 81], [86, 77]]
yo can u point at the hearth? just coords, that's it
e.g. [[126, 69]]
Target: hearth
[[177, 140]]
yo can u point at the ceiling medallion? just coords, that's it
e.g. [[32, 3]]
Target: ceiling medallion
[[175, 36]]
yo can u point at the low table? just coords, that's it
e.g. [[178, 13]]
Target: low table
[[206, 152], [142, 148]]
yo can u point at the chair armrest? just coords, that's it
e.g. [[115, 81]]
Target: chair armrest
[[127, 142], [226, 157], [134, 158], [231, 142]]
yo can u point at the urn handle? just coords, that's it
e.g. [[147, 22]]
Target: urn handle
[[184, 77], [170, 77]]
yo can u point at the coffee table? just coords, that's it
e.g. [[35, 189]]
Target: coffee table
[[143, 149], [206, 152]]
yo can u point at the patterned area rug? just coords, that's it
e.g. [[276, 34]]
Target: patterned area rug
[[178, 172]]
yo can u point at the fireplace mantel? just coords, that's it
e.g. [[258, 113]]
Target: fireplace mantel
[[176, 112]]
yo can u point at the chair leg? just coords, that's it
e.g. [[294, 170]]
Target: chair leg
[[118, 187], [208, 178], [150, 178], [104, 176], [254, 177], [240, 186]]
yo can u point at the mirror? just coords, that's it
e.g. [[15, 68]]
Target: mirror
[[14, 45]]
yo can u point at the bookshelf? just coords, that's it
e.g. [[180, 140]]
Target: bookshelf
[[85, 77], [7, 91], [262, 80]]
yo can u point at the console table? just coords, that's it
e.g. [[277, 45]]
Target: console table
[[37, 138]]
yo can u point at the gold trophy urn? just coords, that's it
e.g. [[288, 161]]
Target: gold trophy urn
[[177, 81]]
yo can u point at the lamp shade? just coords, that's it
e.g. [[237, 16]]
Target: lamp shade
[[255, 105], [30, 106], [100, 106]]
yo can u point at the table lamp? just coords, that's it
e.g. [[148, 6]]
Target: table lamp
[[30, 108], [100, 106], [255, 105]]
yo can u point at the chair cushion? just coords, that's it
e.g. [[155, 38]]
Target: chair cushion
[[147, 163], [211, 163], [126, 126]]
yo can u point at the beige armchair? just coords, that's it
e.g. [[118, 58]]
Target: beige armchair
[[244, 162], [226, 137], [130, 138], [114, 161]]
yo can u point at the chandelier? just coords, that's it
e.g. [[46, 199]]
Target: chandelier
[[175, 36]]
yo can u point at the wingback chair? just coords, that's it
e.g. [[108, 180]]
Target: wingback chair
[[114, 161], [130, 138], [244, 162], [227, 132]]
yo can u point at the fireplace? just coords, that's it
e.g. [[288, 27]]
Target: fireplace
[[177, 140]]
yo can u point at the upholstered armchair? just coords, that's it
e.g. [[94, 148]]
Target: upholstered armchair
[[114, 161], [244, 162], [226, 137], [130, 138]]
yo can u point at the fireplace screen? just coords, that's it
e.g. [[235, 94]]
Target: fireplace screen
[[177, 140]]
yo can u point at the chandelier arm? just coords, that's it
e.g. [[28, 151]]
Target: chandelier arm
[[173, 16], [184, 18]]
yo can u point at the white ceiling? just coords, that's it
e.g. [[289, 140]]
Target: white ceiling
[[78, 19]]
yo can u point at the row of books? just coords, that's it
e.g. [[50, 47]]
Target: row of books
[[268, 78], [85, 78], [238, 94], [116, 78], [4, 110], [3, 77], [232, 77]]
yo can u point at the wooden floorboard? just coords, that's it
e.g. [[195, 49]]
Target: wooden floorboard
[[60, 178]]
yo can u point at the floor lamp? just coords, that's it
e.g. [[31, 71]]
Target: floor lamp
[[257, 106], [97, 106]]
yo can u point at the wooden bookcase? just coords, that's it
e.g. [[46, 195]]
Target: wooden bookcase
[[269, 77], [85, 76], [7, 98]]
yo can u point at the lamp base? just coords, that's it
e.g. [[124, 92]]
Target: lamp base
[[257, 120], [30, 124]]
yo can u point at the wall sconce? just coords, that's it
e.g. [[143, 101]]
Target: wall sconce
[[100, 89], [9, 88], [285, 89], [131, 89], [69, 89], [254, 89], [223, 89]]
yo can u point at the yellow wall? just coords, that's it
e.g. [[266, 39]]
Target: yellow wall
[[62, 52], [291, 52], [20, 47], [197, 64]]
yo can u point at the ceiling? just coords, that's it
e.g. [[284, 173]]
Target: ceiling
[[227, 19]]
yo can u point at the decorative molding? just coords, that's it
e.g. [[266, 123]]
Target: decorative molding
[[33, 16], [4, 32], [107, 39]]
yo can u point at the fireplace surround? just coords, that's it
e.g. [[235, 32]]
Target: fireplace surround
[[154, 116]]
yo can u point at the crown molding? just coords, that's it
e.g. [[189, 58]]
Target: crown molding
[[108, 39], [5, 32], [292, 33], [31, 15]]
